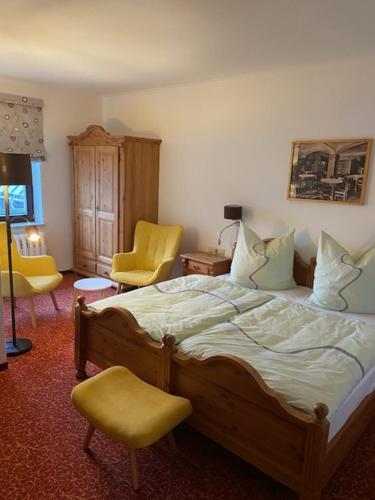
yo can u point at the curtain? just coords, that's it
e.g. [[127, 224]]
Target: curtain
[[21, 126]]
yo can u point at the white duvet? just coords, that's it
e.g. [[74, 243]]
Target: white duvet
[[185, 306], [308, 356]]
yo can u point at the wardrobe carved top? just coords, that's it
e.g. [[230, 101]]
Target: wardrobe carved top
[[96, 135]]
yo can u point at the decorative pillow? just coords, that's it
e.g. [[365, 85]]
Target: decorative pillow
[[341, 282], [260, 265]]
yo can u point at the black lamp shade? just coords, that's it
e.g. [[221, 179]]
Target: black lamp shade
[[233, 212], [15, 169]]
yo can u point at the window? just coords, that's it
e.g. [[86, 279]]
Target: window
[[21, 202], [24, 201]]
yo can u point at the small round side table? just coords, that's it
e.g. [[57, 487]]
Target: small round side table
[[90, 285]]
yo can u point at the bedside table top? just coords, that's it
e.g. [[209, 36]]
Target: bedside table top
[[205, 257]]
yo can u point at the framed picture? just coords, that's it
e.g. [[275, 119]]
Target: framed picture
[[333, 171]]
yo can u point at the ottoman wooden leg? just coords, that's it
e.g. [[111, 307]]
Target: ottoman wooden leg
[[134, 468], [90, 432]]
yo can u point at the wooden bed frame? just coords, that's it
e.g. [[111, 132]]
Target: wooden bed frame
[[232, 404]]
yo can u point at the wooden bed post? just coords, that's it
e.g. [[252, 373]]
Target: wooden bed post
[[315, 454], [80, 349], [164, 368]]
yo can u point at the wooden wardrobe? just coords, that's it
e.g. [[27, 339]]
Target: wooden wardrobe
[[115, 184]]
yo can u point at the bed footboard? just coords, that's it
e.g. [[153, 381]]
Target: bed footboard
[[234, 407]]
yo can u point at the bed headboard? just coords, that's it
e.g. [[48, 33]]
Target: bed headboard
[[304, 273]]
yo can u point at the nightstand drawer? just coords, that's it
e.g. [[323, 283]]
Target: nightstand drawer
[[194, 267]]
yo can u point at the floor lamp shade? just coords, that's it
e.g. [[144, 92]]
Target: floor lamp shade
[[15, 169]]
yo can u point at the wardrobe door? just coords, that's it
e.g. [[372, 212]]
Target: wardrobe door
[[106, 207], [84, 207]]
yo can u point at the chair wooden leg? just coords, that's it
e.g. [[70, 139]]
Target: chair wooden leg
[[54, 301], [134, 468], [172, 441], [90, 432], [32, 312], [121, 288]]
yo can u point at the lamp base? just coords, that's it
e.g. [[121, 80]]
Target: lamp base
[[22, 346]]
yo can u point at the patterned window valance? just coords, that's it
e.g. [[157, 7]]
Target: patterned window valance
[[21, 126]]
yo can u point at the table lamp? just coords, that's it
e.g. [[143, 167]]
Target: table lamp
[[231, 212], [14, 169]]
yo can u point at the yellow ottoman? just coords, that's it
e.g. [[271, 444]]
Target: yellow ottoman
[[128, 410]]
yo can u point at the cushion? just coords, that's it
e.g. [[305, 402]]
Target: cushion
[[128, 410], [260, 265], [46, 283], [343, 282], [136, 277]]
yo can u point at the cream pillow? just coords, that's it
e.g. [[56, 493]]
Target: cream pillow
[[260, 265], [341, 282]]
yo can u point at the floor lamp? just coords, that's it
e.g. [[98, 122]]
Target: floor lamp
[[14, 169]]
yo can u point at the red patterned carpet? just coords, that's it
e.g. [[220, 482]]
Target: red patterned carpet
[[41, 437]]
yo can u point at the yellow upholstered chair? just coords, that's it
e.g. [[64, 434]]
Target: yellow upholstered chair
[[31, 275], [151, 261]]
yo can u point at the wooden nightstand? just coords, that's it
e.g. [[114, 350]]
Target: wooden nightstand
[[205, 263]]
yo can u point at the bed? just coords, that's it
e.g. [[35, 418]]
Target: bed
[[232, 403]]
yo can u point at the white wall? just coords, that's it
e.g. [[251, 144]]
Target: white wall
[[66, 112], [228, 141]]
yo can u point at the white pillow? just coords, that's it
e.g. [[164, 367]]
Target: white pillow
[[260, 265], [341, 282]]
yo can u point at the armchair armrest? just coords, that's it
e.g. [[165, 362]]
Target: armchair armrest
[[21, 286], [39, 265], [122, 262], [163, 271]]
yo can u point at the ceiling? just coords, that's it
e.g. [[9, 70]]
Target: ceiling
[[112, 45]]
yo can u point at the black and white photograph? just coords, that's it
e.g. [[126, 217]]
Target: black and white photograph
[[330, 170]]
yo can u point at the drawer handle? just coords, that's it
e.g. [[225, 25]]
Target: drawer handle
[[195, 267]]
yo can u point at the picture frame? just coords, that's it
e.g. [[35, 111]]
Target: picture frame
[[329, 170]]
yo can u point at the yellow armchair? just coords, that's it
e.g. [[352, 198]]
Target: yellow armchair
[[151, 261], [31, 275]]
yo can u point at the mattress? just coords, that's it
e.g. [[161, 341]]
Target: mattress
[[365, 387]]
